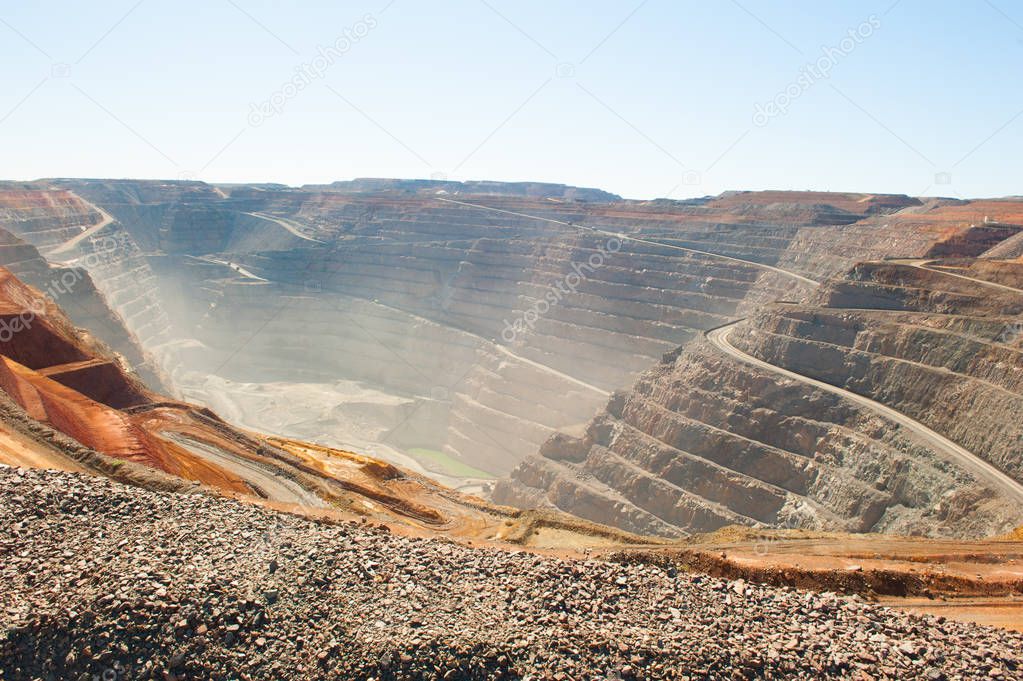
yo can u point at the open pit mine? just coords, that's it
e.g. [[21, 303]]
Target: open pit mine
[[656, 417]]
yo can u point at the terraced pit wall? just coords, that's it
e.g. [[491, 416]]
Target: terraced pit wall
[[442, 312], [705, 439], [34, 219], [392, 320]]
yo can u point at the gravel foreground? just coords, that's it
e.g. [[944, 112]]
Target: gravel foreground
[[104, 581]]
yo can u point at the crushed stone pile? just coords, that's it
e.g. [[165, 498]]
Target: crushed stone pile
[[102, 580]]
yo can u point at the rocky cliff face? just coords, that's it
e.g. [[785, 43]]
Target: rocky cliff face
[[705, 440], [471, 331], [51, 216], [66, 403], [937, 347], [462, 328], [48, 219]]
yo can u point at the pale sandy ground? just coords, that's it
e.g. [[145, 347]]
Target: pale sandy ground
[[344, 414], [17, 449]]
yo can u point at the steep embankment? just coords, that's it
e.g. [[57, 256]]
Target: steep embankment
[[706, 439], [54, 220], [938, 348], [478, 327], [51, 216], [954, 454], [59, 381], [66, 403], [468, 330]]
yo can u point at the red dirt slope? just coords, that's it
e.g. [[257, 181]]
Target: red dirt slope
[[47, 369]]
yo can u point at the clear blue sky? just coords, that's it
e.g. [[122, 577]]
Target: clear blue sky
[[639, 98]]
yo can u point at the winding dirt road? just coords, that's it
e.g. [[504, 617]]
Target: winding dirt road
[[70, 244], [503, 350], [970, 462], [924, 265], [273, 486], [625, 237], [283, 223], [234, 266]]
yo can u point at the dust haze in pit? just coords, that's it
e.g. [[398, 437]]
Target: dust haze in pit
[[341, 409], [387, 337], [300, 362]]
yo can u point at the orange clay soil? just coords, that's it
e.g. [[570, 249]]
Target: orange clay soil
[[959, 222], [414, 504], [103, 428], [975, 581], [52, 372], [1005, 211], [870, 565], [18, 449]]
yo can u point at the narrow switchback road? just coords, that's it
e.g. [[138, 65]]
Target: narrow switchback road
[[504, 350], [925, 265], [274, 486], [283, 223], [625, 237], [970, 462], [234, 266], [70, 244]]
